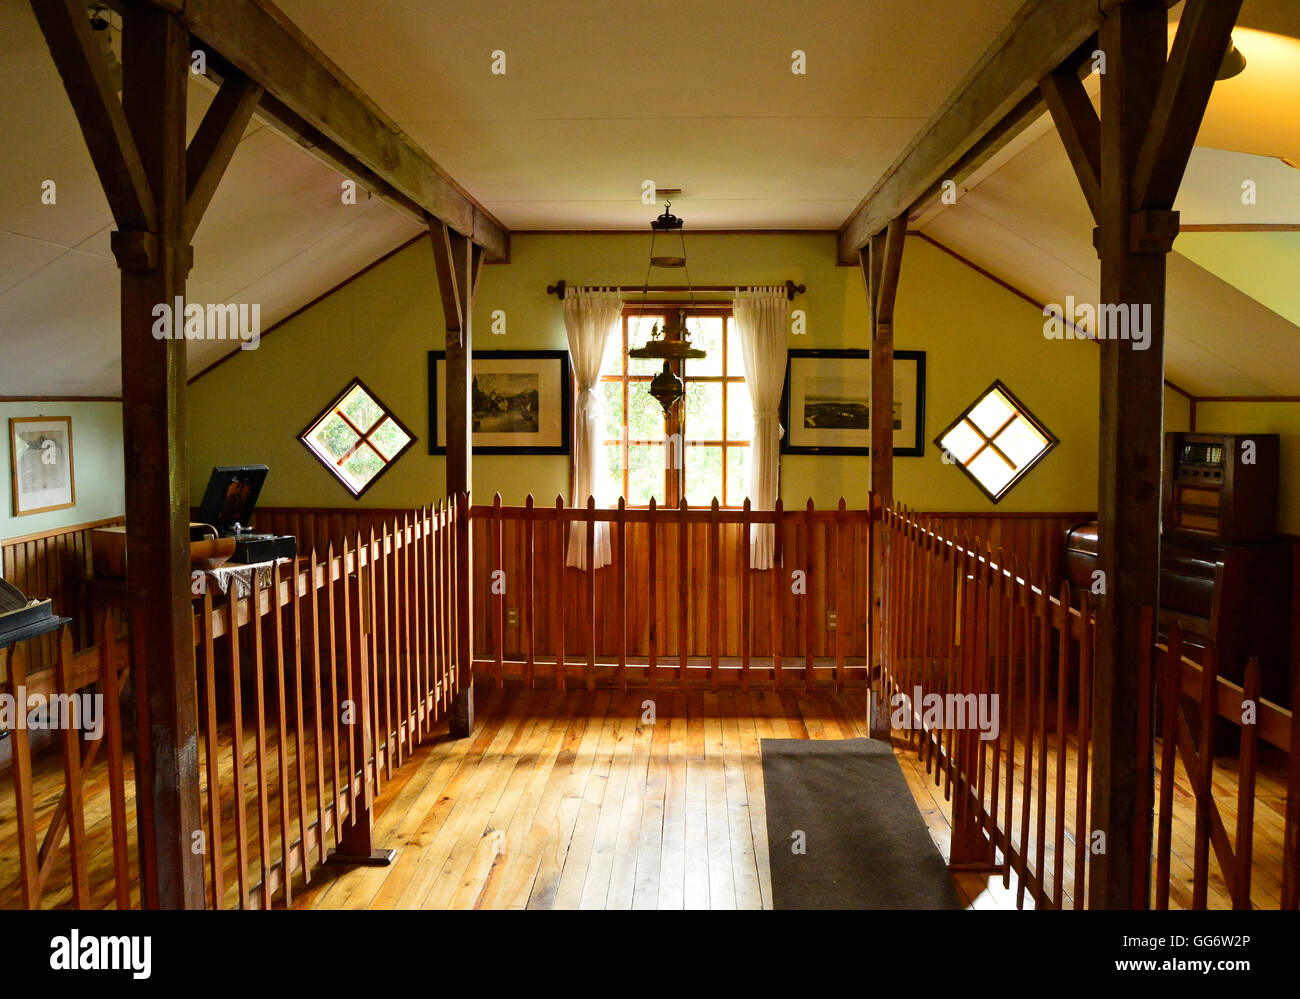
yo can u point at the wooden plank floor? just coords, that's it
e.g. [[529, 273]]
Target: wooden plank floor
[[577, 800]]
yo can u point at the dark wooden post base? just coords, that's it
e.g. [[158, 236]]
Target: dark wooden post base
[[461, 720]]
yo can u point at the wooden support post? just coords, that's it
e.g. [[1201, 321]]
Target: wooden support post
[[458, 263], [1148, 114], [880, 261], [154, 267], [138, 148]]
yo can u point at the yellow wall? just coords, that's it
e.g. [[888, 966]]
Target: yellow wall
[[1282, 418], [96, 465], [1178, 411], [380, 326]]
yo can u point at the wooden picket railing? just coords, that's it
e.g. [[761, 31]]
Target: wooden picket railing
[[315, 681], [965, 627], [323, 677], [53, 565], [1243, 879], [334, 673], [678, 606], [83, 861]]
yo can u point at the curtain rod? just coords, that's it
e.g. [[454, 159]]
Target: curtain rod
[[791, 289]]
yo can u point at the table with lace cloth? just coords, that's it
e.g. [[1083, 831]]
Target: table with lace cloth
[[242, 576]]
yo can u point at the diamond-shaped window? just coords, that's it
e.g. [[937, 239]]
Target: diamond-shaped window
[[357, 438], [996, 441]]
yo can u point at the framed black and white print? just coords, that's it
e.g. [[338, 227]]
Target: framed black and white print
[[520, 402], [826, 407]]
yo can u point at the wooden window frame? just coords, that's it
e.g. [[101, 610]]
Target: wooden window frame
[[675, 479], [363, 438], [1020, 410]]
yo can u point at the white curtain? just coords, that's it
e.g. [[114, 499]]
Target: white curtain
[[762, 321], [591, 318]]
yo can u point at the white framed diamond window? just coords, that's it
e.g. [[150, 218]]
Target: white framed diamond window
[[357, 438], [996, 441]]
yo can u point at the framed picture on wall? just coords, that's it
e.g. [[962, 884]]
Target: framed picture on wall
[[520, 402], [826, 408], [40, 456]]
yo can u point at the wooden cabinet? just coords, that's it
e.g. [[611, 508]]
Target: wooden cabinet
[[1220, 487]]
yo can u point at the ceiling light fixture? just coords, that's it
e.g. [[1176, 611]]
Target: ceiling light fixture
[[1233, 62], [673, 342]]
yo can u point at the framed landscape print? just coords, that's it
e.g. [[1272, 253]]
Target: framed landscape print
[[826, 408], [40, 455], [520, 402]]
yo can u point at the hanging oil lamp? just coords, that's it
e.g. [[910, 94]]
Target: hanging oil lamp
[[672, 342]]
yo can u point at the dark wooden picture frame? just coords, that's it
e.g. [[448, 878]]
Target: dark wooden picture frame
[[16, 472], [388, 415], [565, 401], [915, 449]]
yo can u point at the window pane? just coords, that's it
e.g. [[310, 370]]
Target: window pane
[[613, 361], [613, 396], [735, 360], [704, 411], [645, 474], [362, 467], [1021, 442], [993, 411], [996, 441], [961, 442], [674, 452], [991, 470], [356, 457], [361, 409], [333, 436], [737, 475], [703, 475], [740, 413], [390, 439], [638, 333], [706, 335], [645, 417], [614, 472]]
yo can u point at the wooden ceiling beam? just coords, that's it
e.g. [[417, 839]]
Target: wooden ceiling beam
[[214, 144], [448, 262], [890, 246], [277, 116], [992, 105], [271, 50], [1202, 38], [104, 125], [1040, 37], [1079, 127]]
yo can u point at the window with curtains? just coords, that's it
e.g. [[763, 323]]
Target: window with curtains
[[703, 451]]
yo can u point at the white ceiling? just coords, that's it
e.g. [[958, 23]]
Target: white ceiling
[[1231, 308], [598, 97], [276, 233]]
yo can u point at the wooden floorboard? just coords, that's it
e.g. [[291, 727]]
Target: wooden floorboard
[[609, 799]]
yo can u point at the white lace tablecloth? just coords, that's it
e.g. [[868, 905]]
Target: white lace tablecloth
[[242, 576]]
